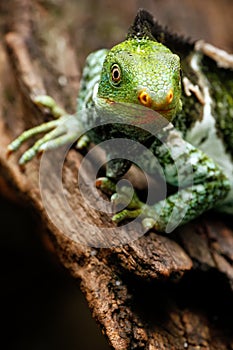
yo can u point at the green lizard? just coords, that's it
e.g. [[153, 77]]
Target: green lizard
[[143, 71]]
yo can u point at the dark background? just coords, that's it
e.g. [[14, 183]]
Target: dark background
[[41, 305]]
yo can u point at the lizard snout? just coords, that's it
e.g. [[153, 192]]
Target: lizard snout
[[146, 99]]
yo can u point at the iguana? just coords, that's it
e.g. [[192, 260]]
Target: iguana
[[151, 73]]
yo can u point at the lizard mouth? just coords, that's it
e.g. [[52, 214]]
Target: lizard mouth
[[164, 111], [167, 113]]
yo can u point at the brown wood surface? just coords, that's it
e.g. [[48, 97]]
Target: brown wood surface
[[157, 292]]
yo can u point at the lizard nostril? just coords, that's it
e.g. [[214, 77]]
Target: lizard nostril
[[169, 96], [145, 99]]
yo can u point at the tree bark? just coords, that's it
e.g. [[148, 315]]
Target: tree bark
[[157, 292]]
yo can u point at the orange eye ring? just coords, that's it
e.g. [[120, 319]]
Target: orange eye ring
[[145, 99], [169, 96], [116, 74]]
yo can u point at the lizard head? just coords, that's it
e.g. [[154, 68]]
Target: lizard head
[[142, 71]]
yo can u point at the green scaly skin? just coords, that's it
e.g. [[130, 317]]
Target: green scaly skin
[[155, 79], [142, 71]]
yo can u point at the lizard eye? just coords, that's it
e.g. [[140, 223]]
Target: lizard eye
[[116, 74]]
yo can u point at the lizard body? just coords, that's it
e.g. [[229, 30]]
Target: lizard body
[[144, 72]]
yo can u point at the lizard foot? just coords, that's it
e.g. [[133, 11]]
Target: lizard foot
[[65, 129], [129, 206]]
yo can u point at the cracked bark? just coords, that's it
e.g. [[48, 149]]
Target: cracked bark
[[155, 293]]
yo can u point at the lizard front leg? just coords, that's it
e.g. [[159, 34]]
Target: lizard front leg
[[200, 182], [65, 129]]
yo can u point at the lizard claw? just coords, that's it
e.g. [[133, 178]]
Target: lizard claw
[[9, 152], [120, 200], [83, 143], [148, 223]]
